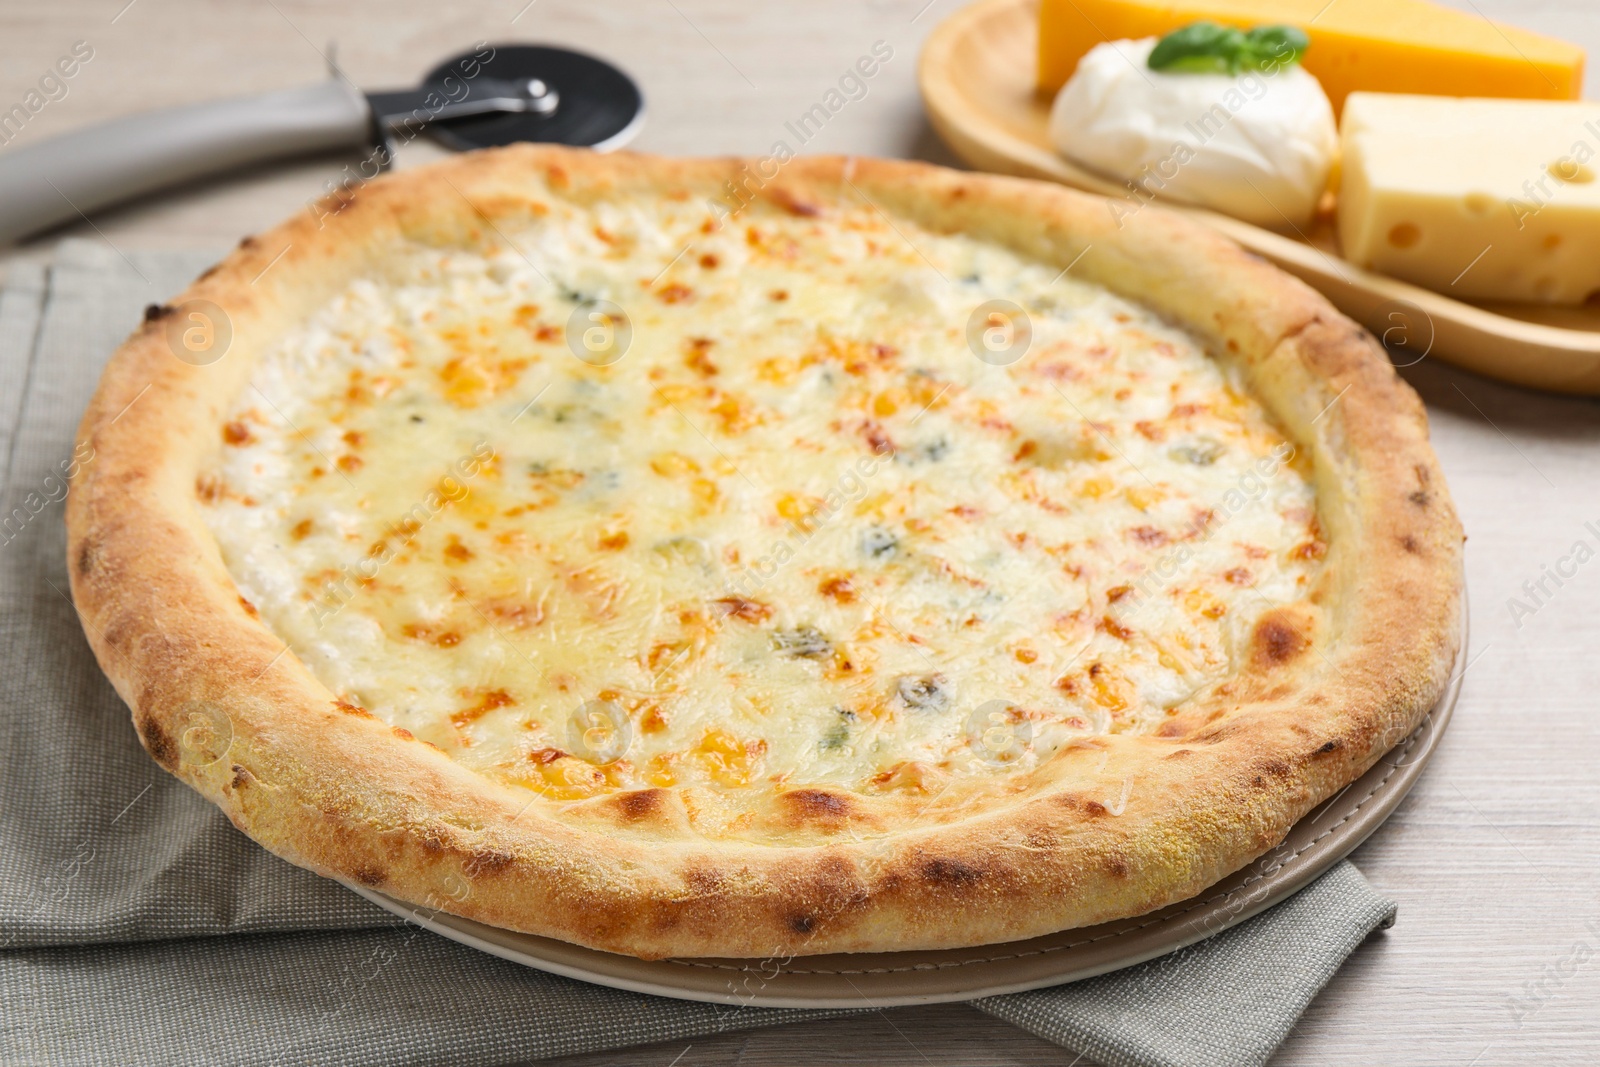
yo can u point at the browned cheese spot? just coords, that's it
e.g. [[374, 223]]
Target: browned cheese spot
[[794, 205], [352, 709], [1278, 640], [1116, 629], [838, 588], [743, 609]]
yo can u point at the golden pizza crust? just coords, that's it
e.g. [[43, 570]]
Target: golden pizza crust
[[1329, 684]]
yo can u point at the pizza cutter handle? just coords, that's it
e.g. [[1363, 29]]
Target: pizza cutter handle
[[71, 176]]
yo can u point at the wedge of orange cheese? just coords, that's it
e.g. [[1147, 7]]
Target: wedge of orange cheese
[[1391, 46]]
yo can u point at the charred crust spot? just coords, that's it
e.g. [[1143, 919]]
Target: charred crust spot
[[1410, 544], [209, 271], [1278, 640], [1329, 746], [248, 241], [703, 880], [157, 312], [802, 924], [641, 803], [487, 861], [1094, 808], [241, 776], [1273, 769], [156, 742], [86, 559], [950, 872], [1117, 865], [1420, 498], [819, 804], [370, 876]]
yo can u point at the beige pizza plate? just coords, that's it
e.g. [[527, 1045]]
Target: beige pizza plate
[[886, 979], [976, 74]]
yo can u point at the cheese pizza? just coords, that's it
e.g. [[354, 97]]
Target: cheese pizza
[[681, 560]]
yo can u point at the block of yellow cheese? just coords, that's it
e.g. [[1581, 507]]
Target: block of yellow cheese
[[1391, 46], [1474, 198]]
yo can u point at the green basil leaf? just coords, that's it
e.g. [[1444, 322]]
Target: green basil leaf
[[1200, 47], [1272, 47], [1209, 48]]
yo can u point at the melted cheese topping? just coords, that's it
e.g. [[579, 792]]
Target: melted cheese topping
[[798, 533]]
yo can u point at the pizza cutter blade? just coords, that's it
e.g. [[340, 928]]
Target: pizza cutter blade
[[493, 95], [598, 106]]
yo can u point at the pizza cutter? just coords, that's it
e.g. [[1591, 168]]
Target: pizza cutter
[[494, 95]]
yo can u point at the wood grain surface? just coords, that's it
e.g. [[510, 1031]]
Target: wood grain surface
[[1495, 858]]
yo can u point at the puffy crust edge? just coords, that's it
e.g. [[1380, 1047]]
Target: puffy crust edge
[[220, 703]]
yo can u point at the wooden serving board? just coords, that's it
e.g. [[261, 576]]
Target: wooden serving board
[[977, 80]]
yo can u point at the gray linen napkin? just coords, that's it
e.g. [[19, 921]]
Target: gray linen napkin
[[115, 878]]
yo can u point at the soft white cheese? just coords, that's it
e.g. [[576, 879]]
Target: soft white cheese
[[1257, 146]]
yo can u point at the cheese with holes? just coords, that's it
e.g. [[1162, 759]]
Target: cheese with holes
[[1478, 199], [1393, 46]]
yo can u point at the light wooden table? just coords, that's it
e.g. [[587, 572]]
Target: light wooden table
[[1495, 858]]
